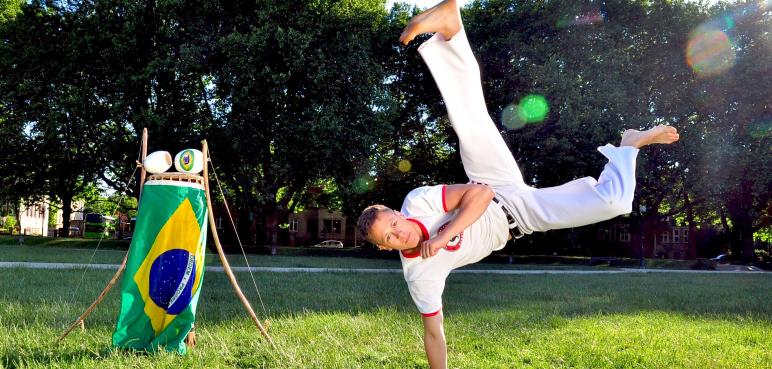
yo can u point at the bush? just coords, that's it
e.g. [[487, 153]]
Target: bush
[[763, 261], [9, 222], [703, 264]]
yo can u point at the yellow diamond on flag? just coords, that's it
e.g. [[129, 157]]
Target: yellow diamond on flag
[[170, 273]]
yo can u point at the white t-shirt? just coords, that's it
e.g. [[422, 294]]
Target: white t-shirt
[[426, 277]]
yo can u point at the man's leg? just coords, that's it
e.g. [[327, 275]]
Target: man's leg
[[485, 156], [587, 200]]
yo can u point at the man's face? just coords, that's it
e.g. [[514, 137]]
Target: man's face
[[392, 231]]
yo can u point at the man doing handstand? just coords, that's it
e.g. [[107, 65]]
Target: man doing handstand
[[450, 226]]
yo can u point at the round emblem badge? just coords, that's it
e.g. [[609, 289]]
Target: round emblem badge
[[186, 160], [455, 242]]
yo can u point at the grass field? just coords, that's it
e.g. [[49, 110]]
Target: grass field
[[351, 320], [78, 250], [88, 251]]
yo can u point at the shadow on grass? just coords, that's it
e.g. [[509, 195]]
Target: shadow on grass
[[66, 242]]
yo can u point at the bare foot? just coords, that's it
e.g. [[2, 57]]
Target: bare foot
[[444, 18], [656, 135]]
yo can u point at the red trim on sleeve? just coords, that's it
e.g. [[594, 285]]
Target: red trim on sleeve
[[444, 204], [432, 314], [407, 253]]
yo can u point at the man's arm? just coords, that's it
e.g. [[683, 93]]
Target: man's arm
[[471, 200], [434, 342]]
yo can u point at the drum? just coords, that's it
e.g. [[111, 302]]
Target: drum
[[165, 266]]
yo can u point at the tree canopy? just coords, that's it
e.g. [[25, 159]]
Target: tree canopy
[[302, 95]]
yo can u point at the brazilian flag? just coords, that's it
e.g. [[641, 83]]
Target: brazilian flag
[[165, 268]]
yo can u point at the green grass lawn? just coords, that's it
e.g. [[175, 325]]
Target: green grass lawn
[[64, 242], [86, 251], [50, 254], [78, 250], [352, 320]]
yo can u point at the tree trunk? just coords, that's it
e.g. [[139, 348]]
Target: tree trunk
[[730, 232], [649, 230], [273, 214], [746, 243], [17, 214], [741, 213], [692, 251], [272, 227], [245, 226], [66, 212]]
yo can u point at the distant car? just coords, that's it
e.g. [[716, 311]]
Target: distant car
[[74, 231], [331, 244], [722, 258]]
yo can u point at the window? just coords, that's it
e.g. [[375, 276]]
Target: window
[[665, 237], [327, 225], [685, 235], [293, 225], [332, 225], [219, 222], [624, 235], [676, 235]]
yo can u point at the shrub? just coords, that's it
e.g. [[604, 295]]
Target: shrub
[[10, 222], [703, 264]]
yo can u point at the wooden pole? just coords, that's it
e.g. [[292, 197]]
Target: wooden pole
[[122, 267], [143, 172], [223, 260], [80, 320]]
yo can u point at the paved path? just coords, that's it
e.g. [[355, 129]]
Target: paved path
[[742, 270]]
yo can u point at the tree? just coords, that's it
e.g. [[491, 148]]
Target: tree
[[53, 97], [9, 9], [15, 167], [158, 59], [298, 96], [737, 167], [417, 146]]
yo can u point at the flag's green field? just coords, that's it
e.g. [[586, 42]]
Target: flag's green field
[[349, 320]]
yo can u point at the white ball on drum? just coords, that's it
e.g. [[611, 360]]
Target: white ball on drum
[[158, 162], [189, 161]]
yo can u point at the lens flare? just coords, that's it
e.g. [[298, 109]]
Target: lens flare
[[404, 165], [588, 16], [709, 52], [761, 129], [533, 108], [510, 117], [363, 184], [729, 22]]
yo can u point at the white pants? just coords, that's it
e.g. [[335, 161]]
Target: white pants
[[487, 158]]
